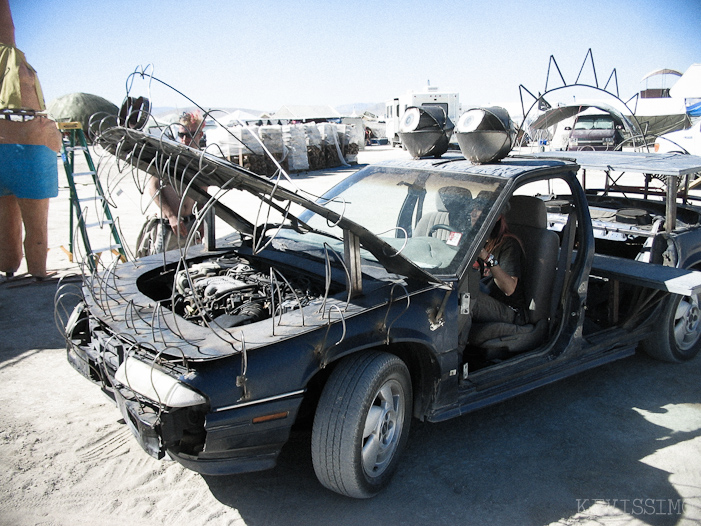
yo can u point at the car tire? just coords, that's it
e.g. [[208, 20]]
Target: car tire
[[362, 424], [680, 338]]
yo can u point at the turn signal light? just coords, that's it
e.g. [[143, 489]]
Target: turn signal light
[[268, 418]]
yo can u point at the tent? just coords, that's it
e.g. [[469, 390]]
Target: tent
[[306, 113], [555, 115], [237, 117], [82, 107]]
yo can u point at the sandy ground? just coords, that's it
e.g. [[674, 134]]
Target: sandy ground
[[620, 445]]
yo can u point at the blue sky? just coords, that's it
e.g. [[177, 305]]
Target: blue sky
[[263, 54]]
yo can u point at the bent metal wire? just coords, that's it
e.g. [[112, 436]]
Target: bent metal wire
[[124, 154]]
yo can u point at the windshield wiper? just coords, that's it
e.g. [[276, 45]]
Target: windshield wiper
[[305, 229]]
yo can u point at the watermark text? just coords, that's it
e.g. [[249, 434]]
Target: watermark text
[[637, 506]]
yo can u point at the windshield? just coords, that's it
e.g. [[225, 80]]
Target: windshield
[[594, 123], [431, 217]]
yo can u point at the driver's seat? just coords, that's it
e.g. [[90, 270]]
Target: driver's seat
[[527, 219], [453, 204]]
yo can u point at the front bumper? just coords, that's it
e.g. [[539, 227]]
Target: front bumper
[[221, 441], [224, 443]]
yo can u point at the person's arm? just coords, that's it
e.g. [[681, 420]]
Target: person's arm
[[506, 282], [7, 27]]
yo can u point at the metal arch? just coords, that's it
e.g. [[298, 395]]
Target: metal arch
[[540, 99]]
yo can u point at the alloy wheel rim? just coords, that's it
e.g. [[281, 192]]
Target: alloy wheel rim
[[687, 323], [383, 428]]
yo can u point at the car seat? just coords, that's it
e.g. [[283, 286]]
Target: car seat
[[527, 219], [453, 204]]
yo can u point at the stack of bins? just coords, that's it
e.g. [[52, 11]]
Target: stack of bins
[[315, 154], [272, 139], [329, 144], [295, 141]]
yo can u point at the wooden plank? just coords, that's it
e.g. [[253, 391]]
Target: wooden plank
[[651, 275]]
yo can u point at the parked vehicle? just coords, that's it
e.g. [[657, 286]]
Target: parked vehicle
[[595, 132], [681, 141], [355, 316]]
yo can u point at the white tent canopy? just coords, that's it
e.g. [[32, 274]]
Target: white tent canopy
[[291, 112], [689, 85], [236, 117]]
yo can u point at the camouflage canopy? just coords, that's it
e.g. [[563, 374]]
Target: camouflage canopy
[[80, 107]]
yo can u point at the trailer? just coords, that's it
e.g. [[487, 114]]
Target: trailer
[[449, 101]]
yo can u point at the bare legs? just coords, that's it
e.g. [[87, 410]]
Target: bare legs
[[10, 234], [34, 213]]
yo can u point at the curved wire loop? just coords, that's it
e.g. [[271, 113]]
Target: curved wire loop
[[386, 328], [323, 350]]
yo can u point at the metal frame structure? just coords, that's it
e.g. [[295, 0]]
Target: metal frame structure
[[589, 57]]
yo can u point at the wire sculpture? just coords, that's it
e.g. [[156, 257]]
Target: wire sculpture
[[155, 326], [639, 136]]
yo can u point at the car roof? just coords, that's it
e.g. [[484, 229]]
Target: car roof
[[509, 167]]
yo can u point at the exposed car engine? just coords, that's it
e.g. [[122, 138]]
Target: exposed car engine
[[232, 292]]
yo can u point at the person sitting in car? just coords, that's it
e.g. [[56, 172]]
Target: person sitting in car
[[500, 297]]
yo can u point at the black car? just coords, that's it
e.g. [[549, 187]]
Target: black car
[[354, 316]]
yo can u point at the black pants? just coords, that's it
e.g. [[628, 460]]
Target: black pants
[[487, 309]]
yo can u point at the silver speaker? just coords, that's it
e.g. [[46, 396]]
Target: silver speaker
[[425, 131], [485, 135]]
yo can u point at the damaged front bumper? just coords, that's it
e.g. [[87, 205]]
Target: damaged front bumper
[[169, 416]]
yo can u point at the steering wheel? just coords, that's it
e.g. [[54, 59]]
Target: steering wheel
[[439, 226]]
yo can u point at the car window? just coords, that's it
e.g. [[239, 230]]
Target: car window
[[594, 123], [603, 124], [431, 217]]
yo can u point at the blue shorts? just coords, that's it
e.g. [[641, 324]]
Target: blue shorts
[[28, 171]]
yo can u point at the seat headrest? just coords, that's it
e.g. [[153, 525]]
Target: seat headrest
[[527, 210], [454, 199]]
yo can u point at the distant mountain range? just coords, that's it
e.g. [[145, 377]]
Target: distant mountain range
[[378, 108]]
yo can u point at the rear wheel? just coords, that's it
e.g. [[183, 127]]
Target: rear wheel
[[362, 423], [679, 338]]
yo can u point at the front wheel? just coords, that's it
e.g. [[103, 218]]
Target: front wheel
[[362, 423], [679, 338]]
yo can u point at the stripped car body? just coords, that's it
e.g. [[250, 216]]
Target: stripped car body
[[212, 352]]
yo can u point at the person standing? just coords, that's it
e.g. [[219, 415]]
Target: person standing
[[29, 142], [176, 211], [168, 200]]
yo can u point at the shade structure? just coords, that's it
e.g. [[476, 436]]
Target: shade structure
[[83, 108]]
